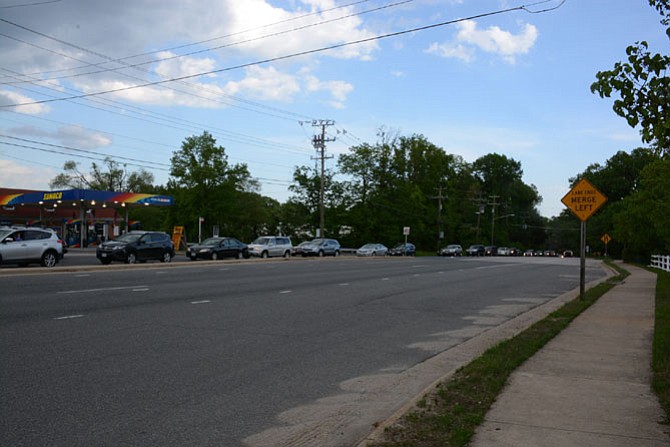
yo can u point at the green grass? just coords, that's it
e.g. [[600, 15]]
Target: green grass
[[449, 415], [661, 347]]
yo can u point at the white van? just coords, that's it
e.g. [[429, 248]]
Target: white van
[[271, 246]]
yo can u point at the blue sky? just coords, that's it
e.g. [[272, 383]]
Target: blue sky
[[514, 83]]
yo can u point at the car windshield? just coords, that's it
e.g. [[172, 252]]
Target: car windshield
[[129, 237], [4, 233], [399, 246], [211, 241], [452, 246], [368, 246], [318, 241], [261, 241]]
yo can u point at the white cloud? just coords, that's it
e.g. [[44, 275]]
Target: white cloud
[[15, 175], [266, 84], [72, 136], [457, 51], [8, 97], [491, 40], [170, 67]]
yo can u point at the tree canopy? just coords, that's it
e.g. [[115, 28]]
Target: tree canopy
[[643, 88]]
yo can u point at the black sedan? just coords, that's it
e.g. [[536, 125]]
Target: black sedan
[[217, 248], [403, 249]]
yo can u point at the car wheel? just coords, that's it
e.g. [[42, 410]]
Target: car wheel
[[106, 261], [194, 258], [264, 255], [337, 253], [321, 253], [287, 254], [49, 258], [167, 257], [215, 256], [240, 255], [131, 258]]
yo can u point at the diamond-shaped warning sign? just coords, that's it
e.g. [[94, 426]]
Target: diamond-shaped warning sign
[[584, 199]]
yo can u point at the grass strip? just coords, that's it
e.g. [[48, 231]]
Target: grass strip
[[448, 416], [660, 362]]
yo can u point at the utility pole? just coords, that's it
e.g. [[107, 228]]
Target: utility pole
[[439, 197], [319, 142], [493, 204]]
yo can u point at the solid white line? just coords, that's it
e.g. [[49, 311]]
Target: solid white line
[[344, 284], [82, 275], [385, 279], [201, 302], [286, 291], [68, 317], [143, 289], [98, 290]]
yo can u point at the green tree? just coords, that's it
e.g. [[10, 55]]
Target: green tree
[[502, 184], [643, 88], [110, 176], [642, 220], [205, 185]]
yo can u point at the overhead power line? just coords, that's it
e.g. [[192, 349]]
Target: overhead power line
[[525, 8]]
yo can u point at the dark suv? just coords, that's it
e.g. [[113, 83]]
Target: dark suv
[[137, 246]]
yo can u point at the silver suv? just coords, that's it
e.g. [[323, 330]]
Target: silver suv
[[268, 246], [28, 245]]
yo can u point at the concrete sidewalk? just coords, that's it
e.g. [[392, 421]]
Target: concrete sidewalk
[[589, 386]]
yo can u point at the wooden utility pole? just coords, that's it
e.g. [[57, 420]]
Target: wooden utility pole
[[319, 142]]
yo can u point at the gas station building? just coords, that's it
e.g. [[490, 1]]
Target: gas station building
[[104, 214]]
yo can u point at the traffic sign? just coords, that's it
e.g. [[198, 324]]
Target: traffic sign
[[584, 199], [606, 238]]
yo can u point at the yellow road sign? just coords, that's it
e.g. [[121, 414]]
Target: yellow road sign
[[606, 238], [584, 199]]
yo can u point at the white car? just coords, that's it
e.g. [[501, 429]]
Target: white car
[[271, 246], [28, 245], [372, 250]]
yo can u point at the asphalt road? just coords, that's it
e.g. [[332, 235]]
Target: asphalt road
[[237, 353]]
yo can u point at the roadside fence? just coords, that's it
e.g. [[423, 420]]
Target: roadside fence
[[660, 262]]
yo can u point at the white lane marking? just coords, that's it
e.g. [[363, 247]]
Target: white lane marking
[[82, 275], [201, 302], [385, 279], [68, 317], [344, 284], [106, 289], [141, 289], [286, 291]]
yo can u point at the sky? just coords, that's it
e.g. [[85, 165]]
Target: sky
[[132, 79]]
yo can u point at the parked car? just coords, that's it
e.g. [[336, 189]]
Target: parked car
[[26, 245], [321, 247], [475, 250], [513, 251], [503, 251], [451, 250], [218, 248], [372, 250], [403, 249], [297, 249], [490, 250], [271, 246], [137, 246], [568, 254], [530, 252]]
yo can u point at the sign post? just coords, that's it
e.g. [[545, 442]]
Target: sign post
[[583, 200], [606, 238], [405, 232]]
